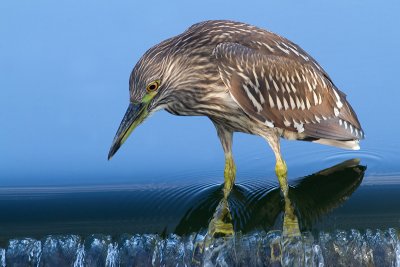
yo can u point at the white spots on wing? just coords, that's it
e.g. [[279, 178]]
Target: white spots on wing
[[294, 51], [245, 78], [292, 79], [287, 48], [267, 84], [284, 44], [293, 88], [319, 99], [303, 106], [271, 102], [314, 85], [297, 75], [287, 87], [299, 126], [308, 105], [300, 87], [315, 98], [262, 72], [269, 123], [269, 47], [262, 100], [255, 76], [323, 81], [262, 44], [241, 70], [287, 77], [252, 99], [292, 103], [286, 122], [336, 112], [275, 85], [285, 103], [304, 57], [286, 51], [258, 92], [282, 77], [340, 122], [311, 71], [309, 86], [283, 88], [316, 65], [338, 101], [278, 103], [298, 103], [255, 87]]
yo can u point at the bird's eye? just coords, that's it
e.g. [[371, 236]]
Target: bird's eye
[[153, 86]]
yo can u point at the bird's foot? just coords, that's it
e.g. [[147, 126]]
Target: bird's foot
[[219, 226], [221, 223]]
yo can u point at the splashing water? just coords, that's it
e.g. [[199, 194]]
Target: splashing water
[[339, 248]]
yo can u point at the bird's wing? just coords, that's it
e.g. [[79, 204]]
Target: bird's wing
[[286, 92]]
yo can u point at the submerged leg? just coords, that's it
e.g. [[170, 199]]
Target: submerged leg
[[221, 223]]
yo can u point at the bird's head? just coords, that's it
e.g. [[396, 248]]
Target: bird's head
[[149, 84]]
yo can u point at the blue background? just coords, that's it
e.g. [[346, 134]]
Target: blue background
[[64, 69]]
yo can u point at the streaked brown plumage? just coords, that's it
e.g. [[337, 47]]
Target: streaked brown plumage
[[244, 79]]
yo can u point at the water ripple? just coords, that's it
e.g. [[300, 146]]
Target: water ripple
[[169, 208]]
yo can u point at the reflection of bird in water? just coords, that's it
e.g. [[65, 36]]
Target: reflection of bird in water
[[244, 79], [256, 206]]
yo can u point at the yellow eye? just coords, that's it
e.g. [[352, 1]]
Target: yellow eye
[[153, 86]]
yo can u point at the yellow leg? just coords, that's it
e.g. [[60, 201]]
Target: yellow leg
[[221, 223], [225, 136], [229, 174], [290, 222], [281, 173]]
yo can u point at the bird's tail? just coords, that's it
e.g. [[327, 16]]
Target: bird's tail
[[352, 144]]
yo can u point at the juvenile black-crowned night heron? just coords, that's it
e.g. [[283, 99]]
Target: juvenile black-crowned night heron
[[245, 79]]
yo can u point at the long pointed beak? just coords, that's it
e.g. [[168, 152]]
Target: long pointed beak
[[134, 115]]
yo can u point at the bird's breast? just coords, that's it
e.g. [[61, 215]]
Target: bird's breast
[[220, 107]]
